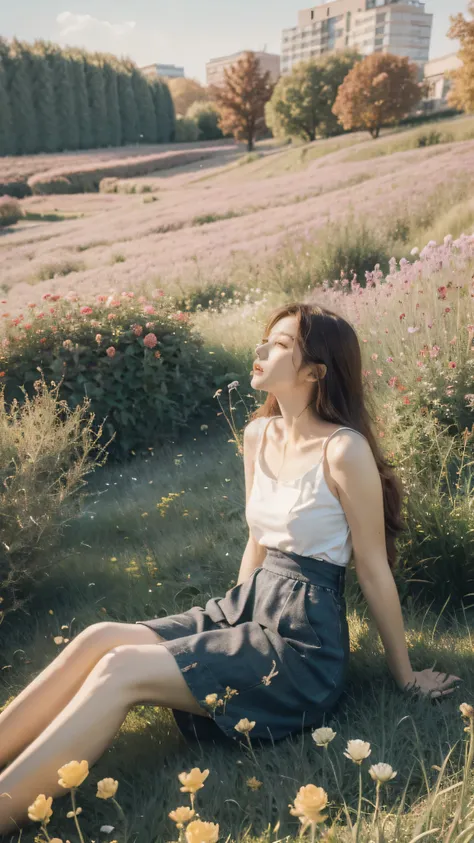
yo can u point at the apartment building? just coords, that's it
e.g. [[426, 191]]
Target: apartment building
[[401, 27], [215, 67], [168, 71]]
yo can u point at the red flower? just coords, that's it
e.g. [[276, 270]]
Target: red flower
[[150, 340], [86, 310]]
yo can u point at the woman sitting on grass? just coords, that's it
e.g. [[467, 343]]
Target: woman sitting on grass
[[275, 648]]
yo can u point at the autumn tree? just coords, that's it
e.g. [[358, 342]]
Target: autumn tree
[[461, 94], [301, 103], [379, 90], [241, 99], [185, 92]]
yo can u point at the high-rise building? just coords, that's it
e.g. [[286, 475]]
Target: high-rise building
[[168, 71], [215, 67], [401, 27]]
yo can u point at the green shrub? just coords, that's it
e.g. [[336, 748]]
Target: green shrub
[[139, 362], [87, 178], [64, 267], [18, 189], [206, 116], [46, 449], [202, 298], [187, 131], [429, 138], [10, 211]]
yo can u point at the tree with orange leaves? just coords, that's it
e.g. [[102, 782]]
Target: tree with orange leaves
[[461, 94], [241, 99], [379, 90]]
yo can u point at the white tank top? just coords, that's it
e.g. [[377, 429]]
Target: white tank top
[[301, 515]]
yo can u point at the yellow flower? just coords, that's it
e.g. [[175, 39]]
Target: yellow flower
[[467, 710], [181, 815], [106, 788], [253, 783], [357, 750], [55, 840], [323, 736], [211, 699], [309, 802], [382, 772], [113, 558], [193, 780], [201, 832], [40, 811], [244, 726], [75, 813], [73, 774]]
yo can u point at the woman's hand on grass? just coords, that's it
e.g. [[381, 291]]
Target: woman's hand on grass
[[432, 683]]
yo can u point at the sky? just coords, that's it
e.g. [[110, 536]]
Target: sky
[[183, 32]]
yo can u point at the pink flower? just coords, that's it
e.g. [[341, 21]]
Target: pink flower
[[98, 337], [110, 351], [86, 310], [156, 293], [442, 292], [452, 364], [32, 304], [112, 316], [56, 297], [46, 296], [68, 344], [137, 330], [150, 340], [149, 309], [52, 310], [27, 326], [40, 315], [141, 299], [101, 298]]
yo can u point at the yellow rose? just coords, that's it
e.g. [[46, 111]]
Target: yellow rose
[[309, 802], [193, 780], [106, 788], [244, 726], [73, 774], [181, 815], [201, 832], [40, 811]]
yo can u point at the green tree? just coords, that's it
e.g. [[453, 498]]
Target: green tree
[[378, 91], [170, 112], [160, 110], [7, 137], [145, 107], [20, 85], [44, 100], [301, 104], [185, 92], [114, 125], [67, 121], [97, 104], [241, 99], [81, 100], [206, 115], [127, 106]]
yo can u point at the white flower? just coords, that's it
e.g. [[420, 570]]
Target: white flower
[[107, 828], [233, 385], [323, 736], [382, 772], [357, 750], [414, 251]]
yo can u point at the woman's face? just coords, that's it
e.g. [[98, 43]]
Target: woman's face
[[279, 357]]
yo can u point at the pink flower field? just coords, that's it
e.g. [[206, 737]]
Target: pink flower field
[[201, 220]]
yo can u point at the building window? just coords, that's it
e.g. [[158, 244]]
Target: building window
[[312, 14]]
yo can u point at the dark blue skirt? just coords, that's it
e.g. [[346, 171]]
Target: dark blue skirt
[[275, 649]]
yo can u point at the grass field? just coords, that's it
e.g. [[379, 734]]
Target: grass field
[[166, 531]]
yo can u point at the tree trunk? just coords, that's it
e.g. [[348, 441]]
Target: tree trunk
[[375, 132], [249, 143]]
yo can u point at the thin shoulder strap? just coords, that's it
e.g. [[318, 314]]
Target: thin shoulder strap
[[265, 422], [337, 431]]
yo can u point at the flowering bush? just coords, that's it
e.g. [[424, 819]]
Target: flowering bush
[[138, 362], [10, 211], [45, 451]]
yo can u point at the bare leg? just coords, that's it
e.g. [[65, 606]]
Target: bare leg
[[39, 703], [126, 676]]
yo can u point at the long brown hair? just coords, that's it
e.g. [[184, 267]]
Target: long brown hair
[[325, 337]]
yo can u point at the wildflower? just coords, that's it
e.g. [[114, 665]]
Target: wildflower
[[357, 750], [323, 736], [181, 815], [414, 251], [106, 788], [244, 726], [107, 828], [382, 772], [233, 385], [149, 309], [46, 296], [211, 699], [40, 811], [32, 304], [73, 774], [98, 338], [68, 344], [217, 393], [412, 330], [157, 354], [253, 783], [150, 340], [110, 351], [58, 639], [55, 840], [137, 330], [201, 832], [204, 427], [467, 710], [113, 558], [86, 310], [111, 316], [75, 813], [309, 803], [193, 781]]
